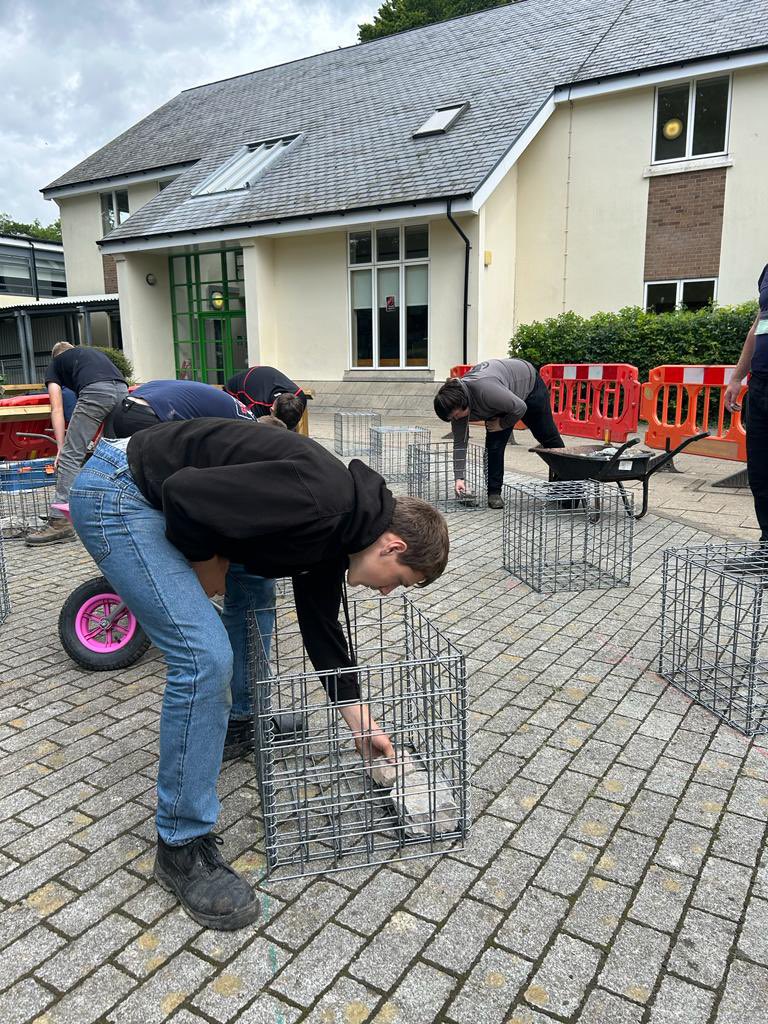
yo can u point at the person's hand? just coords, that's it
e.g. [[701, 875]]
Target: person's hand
[[732, 403], [493, 425], [461, 487], [212, 575], [375, 744], [56, 460]]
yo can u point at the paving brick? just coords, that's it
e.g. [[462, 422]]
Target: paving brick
[[164, 992], [649, 813], [348, 1000], [753, 941], [387, 956], [90, 1002], [661, 899], [516, 802], [418, 999], [750, 798], [367, 911], [670, 776], [264, 1010], [21, 956], [596, 822], [680, 1003], [313, 970], [505, 878], [85, 911], [540, 831], [570, 791], [702, 947], [441, 890], [91, 950], [492, 987], [304, 917], [224, 996], [561, 981], [462, 938], [528, 929], [597, 913], [566, 867], [739, 838], [19, 883], [746, 995], [606, 1008], [634, 962], [625, 858], [722, 888], [684, 847], [488, 836], [23, 1002], [701, 805], [156, 944]]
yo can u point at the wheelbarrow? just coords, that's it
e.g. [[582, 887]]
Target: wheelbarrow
[[584, 462]]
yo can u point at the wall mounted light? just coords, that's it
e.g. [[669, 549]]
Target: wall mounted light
[[151, 280], [673, 129]]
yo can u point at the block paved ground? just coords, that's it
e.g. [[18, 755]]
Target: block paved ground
[[616, 872]]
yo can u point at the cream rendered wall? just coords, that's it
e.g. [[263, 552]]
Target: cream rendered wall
[[80, 229], [496, 299], [744, 250], [145, 315], [447, 294], [260, 301]]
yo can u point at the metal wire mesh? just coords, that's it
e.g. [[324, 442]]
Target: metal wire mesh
[[431, 475], [321, 807], [714, 623], [352, 432], [567, 536], [5, 597], [26, 491], [389, 450]]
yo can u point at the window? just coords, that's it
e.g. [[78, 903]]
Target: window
[[114, 210], [442, 119], [240, 170], [15, 275], [691, 119], [666, 296], [51, 281], [389, 296]]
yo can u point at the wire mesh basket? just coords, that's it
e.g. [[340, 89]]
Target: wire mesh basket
[[574, 535], [5, 597], [324, 807], [431, 475], [714, 630], [389, 450], [26, 491], [352, 432]]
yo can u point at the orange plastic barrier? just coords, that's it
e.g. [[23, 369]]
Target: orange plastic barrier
[[680, 401], [600, 400], [19, 415]]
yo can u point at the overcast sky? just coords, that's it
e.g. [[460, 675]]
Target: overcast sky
[[76, 73]]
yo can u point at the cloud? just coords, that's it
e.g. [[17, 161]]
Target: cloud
[[76, 74]]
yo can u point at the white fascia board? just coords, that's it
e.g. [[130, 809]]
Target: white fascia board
[[659, 76], [513, 154], [117, 181], [299, 226], [36, 244]]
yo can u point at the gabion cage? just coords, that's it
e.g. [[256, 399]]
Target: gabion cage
[[352, 432], [431, 475], [325, 808], [714, 630], [26, 491], [567, 535], [5, 597], [389, 450]]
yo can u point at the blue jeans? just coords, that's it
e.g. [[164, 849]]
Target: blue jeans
[[205, 654]]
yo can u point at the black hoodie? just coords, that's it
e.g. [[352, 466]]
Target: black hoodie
[[271, 500]]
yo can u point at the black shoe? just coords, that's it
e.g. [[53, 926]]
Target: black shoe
[[239, 739], [210, 891], [752, 562], [495, 501]]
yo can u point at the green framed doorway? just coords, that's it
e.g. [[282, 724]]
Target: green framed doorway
[[210, 338]]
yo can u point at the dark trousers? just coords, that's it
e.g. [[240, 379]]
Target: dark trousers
[[539, 421], [129, 417], [757, 447]]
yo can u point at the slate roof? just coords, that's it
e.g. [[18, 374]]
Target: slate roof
[[356, 108]]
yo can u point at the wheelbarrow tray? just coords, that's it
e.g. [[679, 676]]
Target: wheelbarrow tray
[[578, 463]]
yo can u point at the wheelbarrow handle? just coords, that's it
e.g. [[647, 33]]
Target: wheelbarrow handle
[[43, 437], [615, 458], [668, 456]]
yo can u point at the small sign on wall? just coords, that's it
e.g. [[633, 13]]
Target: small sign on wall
[[390, 303]]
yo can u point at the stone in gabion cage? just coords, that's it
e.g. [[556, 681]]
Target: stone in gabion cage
[[352, 432], [568, 535], [714, 626], [431, 475], [26, 491], [5, 597], [326, 809], [389, 450]]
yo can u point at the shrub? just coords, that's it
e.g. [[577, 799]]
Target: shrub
[[712, 335], [121, 361]]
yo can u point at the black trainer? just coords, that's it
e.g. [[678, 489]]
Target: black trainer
[[495, 501], [239, 739], [209, 890]]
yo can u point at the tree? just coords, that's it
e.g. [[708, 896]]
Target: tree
[[52, 233], [398, 15]]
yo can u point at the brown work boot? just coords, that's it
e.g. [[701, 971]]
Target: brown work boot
[[54, 531]]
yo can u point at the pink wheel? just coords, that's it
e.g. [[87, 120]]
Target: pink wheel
[[97, 630]]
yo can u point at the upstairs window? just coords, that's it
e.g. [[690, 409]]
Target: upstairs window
[[114, 210], [241, 169], [15, 275], [442, 119], [692, 119], [667, 296]]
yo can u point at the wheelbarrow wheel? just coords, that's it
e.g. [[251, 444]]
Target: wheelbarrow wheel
[[96, 629]]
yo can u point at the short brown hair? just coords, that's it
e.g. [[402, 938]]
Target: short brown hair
[[451, 396], [425, 531], [289, 408], [59, 347]]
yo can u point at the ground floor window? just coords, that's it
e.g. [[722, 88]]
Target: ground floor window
[[389, 296], [666, 296], [208, 301]]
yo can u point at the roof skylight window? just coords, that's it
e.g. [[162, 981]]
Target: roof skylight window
[[442, 119], [243, 167]]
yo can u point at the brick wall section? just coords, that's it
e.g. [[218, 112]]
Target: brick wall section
[[685, 225], [110, 274]]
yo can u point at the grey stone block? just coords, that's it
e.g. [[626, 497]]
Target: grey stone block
[[492, 987], [528, 929], [634, 962]]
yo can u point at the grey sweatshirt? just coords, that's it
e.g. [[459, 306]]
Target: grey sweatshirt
[[496, 387]]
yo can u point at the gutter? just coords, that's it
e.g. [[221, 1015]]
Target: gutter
[[467, 251]]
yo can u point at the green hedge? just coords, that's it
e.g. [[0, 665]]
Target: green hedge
[[713, 335], [121, 361]]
